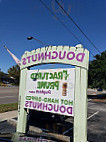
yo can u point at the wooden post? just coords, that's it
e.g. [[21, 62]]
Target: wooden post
[[22, 114], [80, 107]]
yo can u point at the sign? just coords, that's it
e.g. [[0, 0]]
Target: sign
[[55, 91], [50, 90], [55, 54]]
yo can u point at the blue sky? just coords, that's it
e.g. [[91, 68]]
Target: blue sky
[[22, 18]]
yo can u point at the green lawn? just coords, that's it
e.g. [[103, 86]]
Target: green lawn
[[8, 107]]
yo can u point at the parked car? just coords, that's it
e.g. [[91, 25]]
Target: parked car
[[99, 89]]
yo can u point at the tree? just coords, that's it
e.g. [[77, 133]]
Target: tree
[[97, 71], [1, 75], [14, 72]]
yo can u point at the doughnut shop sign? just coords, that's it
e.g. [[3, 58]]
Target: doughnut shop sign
[[50, 90]]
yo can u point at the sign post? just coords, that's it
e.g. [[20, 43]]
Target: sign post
[[22, 112], [77, 56]]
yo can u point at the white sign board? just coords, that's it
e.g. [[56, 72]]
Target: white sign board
[[50, 90]]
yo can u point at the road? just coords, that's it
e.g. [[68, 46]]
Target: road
[[9, 94]]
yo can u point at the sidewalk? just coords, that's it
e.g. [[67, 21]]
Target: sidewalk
[[8, 115]]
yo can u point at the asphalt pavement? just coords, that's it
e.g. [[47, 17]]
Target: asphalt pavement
[[9, 94], [97, 121]]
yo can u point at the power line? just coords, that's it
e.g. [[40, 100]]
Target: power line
[[77, 26], [62, 23], [59, 20]]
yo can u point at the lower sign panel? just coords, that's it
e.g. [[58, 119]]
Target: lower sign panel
[[51, 90]]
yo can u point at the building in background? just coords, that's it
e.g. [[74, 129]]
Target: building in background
[[4, 78], [7, 80]]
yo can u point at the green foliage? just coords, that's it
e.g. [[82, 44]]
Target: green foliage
[[2, 74], [97, 71], [2, 84], [14, 72]]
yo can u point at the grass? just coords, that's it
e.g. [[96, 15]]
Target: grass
[[2, 84], [8, 107]]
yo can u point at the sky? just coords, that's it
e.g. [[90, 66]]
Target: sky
[[22, 18]]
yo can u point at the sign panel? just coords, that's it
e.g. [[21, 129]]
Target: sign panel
[[55, 54], [50, 90]]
